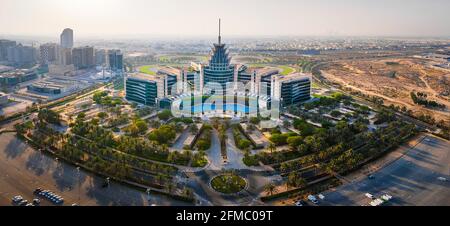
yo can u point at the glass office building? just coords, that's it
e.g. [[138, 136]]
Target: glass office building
[[219, 69], [291, 89], [141, 90]]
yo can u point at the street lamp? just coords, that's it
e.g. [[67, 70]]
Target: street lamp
[[79, 184], [148, 194]]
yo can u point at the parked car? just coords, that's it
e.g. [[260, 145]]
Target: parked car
[[313, 199], [36, 201], [370, 196], [300, 203], [37, 190], [54, 198], [386, 197], [17, 199], [371, 177], [23, 203]]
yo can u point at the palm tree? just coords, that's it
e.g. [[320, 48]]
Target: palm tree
[[301, 182], [170, 187], [270, 188], [160, 179], [272, 147]]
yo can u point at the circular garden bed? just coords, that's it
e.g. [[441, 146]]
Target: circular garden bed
[[228, 183]]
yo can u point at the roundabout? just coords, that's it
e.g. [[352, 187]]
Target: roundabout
[[228, 184]]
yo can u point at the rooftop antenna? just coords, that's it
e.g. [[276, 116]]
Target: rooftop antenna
[[220, 38]]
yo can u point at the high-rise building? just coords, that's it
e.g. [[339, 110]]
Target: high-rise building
[[4, 45], [219, 69], [83, 57], [291, 89], [100, 57], [115, 59], [21, 55], [65, 56], [66, 38], [49, 53]]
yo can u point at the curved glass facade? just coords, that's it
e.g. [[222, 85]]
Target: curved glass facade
[[141, 91], [219, 69]]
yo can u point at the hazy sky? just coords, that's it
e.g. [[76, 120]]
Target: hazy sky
[[240, 17]]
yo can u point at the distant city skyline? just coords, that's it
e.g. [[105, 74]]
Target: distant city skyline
[[179, 18]]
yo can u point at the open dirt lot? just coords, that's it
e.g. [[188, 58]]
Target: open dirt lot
[[394, 79]]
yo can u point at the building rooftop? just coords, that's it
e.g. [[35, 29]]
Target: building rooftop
[[145, 77], [293, 77], [14, 73], [169, 70], [48, 85], [265, 71], [4, 68]]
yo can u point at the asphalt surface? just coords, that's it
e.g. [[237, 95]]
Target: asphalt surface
[[23, 169], [412, 179]]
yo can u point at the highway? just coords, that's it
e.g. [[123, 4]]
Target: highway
[[413, 178]]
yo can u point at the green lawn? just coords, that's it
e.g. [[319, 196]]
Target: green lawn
[[228, 184], [201, 162], [147, 69], [286, 70]]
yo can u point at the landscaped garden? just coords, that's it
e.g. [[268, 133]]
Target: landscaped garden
[[228, 183]]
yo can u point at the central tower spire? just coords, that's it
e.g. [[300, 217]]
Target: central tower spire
[[220, 38]]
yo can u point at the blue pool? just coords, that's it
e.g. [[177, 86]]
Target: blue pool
[[237, 108]]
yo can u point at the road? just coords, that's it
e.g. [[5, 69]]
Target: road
[[257, 177], [22, 169], [412, 178]]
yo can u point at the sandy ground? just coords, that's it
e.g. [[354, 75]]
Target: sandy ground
[[373, 77]]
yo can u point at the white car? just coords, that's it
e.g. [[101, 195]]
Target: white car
[[300, 203], [321, 196], [368, 195], [442, 179], [386, 197], [377, 202], [313, 199], [17, 198]]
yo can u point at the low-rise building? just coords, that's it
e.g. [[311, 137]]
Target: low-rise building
[[61, 69], [14, 77], [47, 88], [291, 89], [144, 89]]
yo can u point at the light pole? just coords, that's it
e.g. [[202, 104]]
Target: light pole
[[79, 184], [148, 194]]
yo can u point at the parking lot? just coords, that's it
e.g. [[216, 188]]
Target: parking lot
[[420, 177], [23, 169]]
